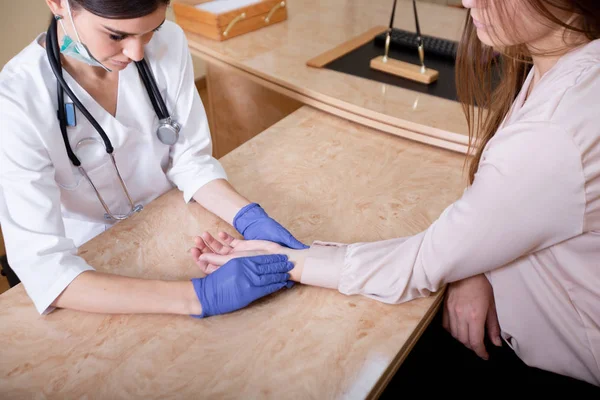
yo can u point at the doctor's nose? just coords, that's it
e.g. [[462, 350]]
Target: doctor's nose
[[134, 50]]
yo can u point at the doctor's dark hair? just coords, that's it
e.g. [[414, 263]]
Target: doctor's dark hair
[[119, 9], [486, 106]]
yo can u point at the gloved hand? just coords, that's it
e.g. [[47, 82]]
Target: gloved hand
[[254, 224], [241, 281]]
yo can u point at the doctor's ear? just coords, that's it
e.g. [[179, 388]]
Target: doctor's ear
[[57, 7]]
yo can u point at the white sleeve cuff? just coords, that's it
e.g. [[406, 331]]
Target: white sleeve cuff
[[190, 188], [43, 301]]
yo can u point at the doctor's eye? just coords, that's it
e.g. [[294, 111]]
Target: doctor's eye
[[117, 38], [157, 29]]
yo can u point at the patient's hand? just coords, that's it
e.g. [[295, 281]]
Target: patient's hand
[[210, 253]]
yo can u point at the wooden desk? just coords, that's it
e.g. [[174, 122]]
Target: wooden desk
[[324, 178], [257, 78]]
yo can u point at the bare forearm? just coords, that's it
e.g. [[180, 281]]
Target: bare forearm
[[220, 198], [98, 292]]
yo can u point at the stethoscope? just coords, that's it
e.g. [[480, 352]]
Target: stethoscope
[[167, 132]]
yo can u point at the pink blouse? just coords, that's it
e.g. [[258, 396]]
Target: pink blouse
[[530, 222]]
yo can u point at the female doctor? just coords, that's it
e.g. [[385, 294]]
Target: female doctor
[[520, 250], [100, 116]]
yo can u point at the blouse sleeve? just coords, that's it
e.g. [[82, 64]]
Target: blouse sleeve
[[528, 194]]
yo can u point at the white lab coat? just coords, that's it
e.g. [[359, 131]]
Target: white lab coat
[[47, 208]]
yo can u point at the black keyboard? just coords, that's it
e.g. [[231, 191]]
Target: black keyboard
[[405, 40]]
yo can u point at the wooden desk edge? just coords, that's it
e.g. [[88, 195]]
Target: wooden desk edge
[[323, 59], [436, 137], [387, 376]]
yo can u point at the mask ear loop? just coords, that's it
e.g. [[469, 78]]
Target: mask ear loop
[[72, 22], [81, 45]]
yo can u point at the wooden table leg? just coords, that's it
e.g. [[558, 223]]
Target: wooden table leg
[[240, 109]]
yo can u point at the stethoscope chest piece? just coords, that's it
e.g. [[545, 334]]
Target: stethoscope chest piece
[[168, 131]]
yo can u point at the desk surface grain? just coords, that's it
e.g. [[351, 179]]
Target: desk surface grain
[[325, 179], [276, 56]]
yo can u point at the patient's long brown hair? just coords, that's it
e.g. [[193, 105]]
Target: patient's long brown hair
[[484, 106]]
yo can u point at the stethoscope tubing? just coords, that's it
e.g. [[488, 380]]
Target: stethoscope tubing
[[54, 60], [152, 89]]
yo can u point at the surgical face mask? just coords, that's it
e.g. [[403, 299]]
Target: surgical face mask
[[77, 49]]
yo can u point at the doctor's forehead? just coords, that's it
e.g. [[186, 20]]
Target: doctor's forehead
[[133, 26]]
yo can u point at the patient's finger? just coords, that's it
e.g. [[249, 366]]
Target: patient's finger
[[203, 243], [215, 245], [195, 252], [203, 249], [201, 246], [236, 244], [204, 266], [211, 268], [228, 239]]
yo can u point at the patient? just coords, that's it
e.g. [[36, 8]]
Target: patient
[[519, 249]]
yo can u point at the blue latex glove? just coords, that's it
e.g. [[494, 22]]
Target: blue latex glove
[[241, 281], [254, 224]]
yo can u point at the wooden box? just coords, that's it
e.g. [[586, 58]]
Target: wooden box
[[224, 19]]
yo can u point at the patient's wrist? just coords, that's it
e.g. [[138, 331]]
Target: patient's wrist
[[297, 258]]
